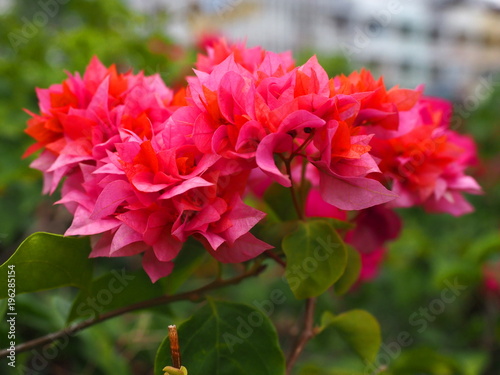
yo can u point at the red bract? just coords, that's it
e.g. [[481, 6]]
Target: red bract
[[378, 106], [427, 164]]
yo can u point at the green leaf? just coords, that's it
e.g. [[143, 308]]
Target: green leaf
[[311, 369], [190, 257], [482, 248], [45, 261], [425, 360], [279, 199], [359, 329], [225, 338], [99, 344], [316, 258], [120, 288], [351, 273], [339, 224]]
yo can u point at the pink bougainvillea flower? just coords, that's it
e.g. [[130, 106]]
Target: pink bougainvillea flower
[[150, 200], [427, 164], [144, 169], [85, 115], [218, 49], [308, 121], [269, 111]]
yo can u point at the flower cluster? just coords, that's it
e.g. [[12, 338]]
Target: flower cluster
[[143, 168]]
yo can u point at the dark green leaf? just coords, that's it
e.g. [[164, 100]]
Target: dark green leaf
[[190, 257], [482, 248], [111, 291], [45, 261], [351, 273], [120, 288], [359, 329], [224, 338], [279, 199], [424, 361], [316, 258]]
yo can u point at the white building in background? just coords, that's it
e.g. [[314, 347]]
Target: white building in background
[[446, 44]]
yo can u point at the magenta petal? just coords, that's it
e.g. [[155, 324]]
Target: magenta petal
[[243, 218], [244, 248], [136, 219], [300, 119], [167, 247], [64, 160], [111, 197], [250, 135], [276, 142], [465, 184], [82, 224], [451, 202], [219, 139], [154, 267], [214, 240], [232, 95], [143, 181], [209, 214], [124, 236], [317, 207], [101, 244], [353, 193], [192, 183], [203, 133], [179, 126], [313, 69], [205, 162]]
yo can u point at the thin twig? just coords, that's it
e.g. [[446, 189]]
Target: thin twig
[[293, 191], [191, 295], [305, 335], [276, 258]]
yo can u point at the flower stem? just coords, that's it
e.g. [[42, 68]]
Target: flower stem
[[305, 335], [298, 207]]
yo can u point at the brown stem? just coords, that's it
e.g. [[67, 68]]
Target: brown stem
[[305, 335], [293, 191], [174, 346], [192, 295], [303, 145], [276, 258]]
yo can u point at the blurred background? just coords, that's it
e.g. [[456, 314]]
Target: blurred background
[[450, 46]]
